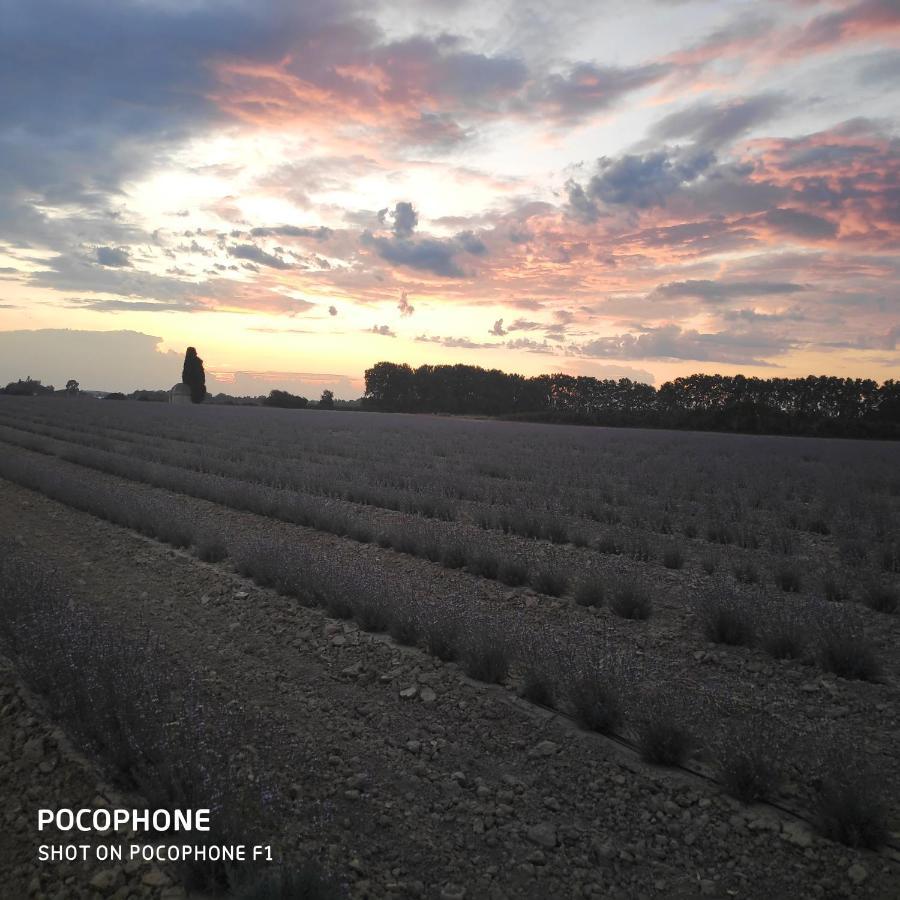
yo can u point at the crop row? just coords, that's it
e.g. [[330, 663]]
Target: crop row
[[668, 487], [422, 539]]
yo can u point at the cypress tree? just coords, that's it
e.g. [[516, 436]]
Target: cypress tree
[[193, 375]]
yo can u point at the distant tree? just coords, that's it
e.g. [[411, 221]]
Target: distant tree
[[28, 387], [327, 400], [284, 400], [72, 387], [115, 395], [815, 405], [150, 396], [193, 375]]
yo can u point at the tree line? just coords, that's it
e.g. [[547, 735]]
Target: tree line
[[816, 405]]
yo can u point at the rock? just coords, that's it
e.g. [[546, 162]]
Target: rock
[[797, 833], [339, 640], [414, 746], [857, 873], [33, 750], [427, 695], [544, 748], [409, 693], [453, 892], [543, 834], [105, 879], [156, 878], [176, 892], [707, 887]]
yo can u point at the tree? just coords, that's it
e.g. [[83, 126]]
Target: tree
[[284, 400], [72, 387], [30, 387], [193, 375], [327, 400]]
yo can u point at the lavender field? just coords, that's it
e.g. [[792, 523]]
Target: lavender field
[[479, 658]]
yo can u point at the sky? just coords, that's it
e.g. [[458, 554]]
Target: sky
[[618, 188]]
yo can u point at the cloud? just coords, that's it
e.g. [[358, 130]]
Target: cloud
[[587, 88], [498, 328], [715, 124], [112, 256], [453, 342], [425, 254], [404, 217], [637, 180], [471, 243], [530, 345], [405, 307], [100, 305], [319, 233], [854, 22], [723, 290], [880, 68], [332, 311], [672, 342], [255, 254], [383, 330], [800, 224], [99, 360]]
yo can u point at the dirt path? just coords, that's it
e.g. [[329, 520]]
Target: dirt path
[[412, 781]]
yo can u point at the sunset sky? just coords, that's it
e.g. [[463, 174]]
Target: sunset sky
[[646, 189]]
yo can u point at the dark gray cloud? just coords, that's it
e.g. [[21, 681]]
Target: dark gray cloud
[[319, 233], [332, 311], [586, 88], [471, 243], [112, 256], [715, 124], [255, 254], [637, 180], [726, 290], [800, 224], [427, 254], [405, 219], [424, 254], [406, 308], [383, 330], [498, 328]]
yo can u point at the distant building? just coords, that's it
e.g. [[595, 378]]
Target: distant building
[[180, 393]]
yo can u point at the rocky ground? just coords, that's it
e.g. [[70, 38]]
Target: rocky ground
[[412, 780], [39, 769]]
